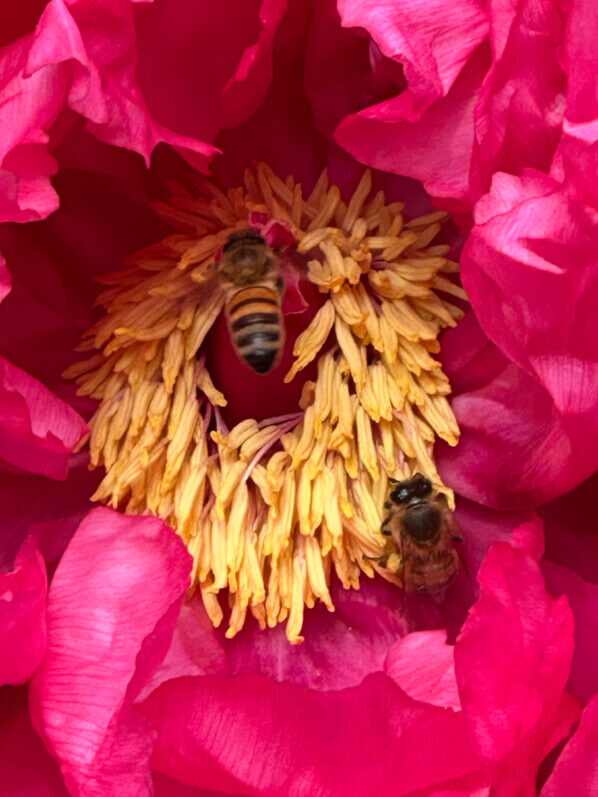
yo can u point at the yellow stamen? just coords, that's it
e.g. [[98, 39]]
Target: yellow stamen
[[271, 509]]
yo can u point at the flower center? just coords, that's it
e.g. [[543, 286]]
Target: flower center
[[270, 508]]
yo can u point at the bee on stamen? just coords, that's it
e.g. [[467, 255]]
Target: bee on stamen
[[250, 274], [423, 529]]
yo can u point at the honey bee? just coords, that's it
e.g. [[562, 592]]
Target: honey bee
[[250, 274], [424, 531]]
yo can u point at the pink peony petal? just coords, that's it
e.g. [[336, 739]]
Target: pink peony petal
[[245, 91], [433, 41], [576, 770], [435, 148], [104, 87], [425, 132], [530, 270], [516, 451], [530, 538], [29, 106], [281, 132], [344, 70], [519, 115], [48, 510], [28, 770], [481, 527], [71, 60], [531, 273], [192, 81], [583, 599], [23, 615], [576, 162], [169, 787], [422, 664], [579, 59], [250, 735], [340, 648], [571, 529], [104, 216], [512, 661], [112, 608], [37, 430], [469, 359], [5, 280]]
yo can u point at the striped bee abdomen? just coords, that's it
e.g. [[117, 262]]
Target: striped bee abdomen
[[255, 322]]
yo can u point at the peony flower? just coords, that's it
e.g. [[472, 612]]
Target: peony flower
[[133, 689]]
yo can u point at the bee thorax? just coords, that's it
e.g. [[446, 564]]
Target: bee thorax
[[423, 523]]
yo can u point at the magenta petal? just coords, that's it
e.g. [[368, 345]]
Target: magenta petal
[[570, 529], [469, 359], [28, 770], [512, 661], [579, 58], [48, 510], [250, 735], [519, 115], [29, 106], [206, 66], [583, 599], [481, 527], [530, 269], [169, 787], [247, 88], [23, 615], [422, 664], [515, 449], [434, 149], [5, 281], [103, 88], [576, 770], [431, 39], [112, 607], [340, 648], [576, 161], [37, 430], [425, 132]]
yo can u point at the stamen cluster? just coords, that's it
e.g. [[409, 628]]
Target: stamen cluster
[[269, 509]]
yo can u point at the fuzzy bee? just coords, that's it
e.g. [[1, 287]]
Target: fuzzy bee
[[424, 532], [250, 274]]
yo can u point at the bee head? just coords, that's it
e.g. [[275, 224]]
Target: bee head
[[412, 491]]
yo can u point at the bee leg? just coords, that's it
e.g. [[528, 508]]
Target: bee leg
[[387, 504], [393, 481], [457, 538]]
